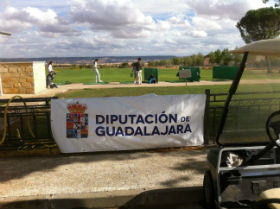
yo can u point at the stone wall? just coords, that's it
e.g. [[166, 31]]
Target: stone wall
[[19, 78]]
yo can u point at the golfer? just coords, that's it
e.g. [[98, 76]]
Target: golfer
[[50, 76], [97, 74], [134, 71], [139, 66], [50, 68]]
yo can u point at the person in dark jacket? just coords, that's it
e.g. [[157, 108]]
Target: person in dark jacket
[[139, 66], [50, 76]]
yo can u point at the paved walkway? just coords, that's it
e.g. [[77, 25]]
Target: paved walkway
[[65, 88], [91, 177]]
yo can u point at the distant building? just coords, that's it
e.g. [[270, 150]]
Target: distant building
[[206, 61]]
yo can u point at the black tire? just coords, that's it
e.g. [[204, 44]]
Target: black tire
[[208, 191]]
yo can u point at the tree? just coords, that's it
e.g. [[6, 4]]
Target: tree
[[276, 2], [199, 59], [124, 65], [193, 59], [163, 62], [218, 56], [187, 61], [227, 57], [237, 58], [175, 61], [151, 63], [212, 57], [263, 23]]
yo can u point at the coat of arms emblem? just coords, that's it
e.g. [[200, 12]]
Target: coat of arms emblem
[[76, 121]]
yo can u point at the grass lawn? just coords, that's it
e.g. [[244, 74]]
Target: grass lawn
[[138, 91], [172, 90], [260, 74], [87, 75], [110, 74]]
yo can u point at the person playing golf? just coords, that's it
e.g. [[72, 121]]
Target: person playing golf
[[97, 74]]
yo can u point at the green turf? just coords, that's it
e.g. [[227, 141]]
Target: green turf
[[123, 75], [260, 74], [138, 91], [88, 75]]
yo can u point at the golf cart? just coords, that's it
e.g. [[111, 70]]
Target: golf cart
[[244, 170]]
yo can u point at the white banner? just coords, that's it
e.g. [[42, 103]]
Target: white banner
[[127, 123]]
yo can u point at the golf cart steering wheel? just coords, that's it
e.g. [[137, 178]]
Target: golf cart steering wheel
[[273, 128]]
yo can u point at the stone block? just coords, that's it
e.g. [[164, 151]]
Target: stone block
[[22, 74], [3, 70], [13, 69], [17, 85], [7, 85], [22, 80], [22, 90], [15, 75], [20, 70], [10, 80], [26, 84], [5, 79], [29, 69], [29, 90], [30, 79], [10, 90]]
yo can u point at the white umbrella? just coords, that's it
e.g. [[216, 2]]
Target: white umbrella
[[264, 47], [6, 34]]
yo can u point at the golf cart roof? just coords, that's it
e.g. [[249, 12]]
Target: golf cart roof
[[4, 33], [263, 47]]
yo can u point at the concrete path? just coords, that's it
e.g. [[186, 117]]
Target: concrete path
[[99, 180], [65, 88]]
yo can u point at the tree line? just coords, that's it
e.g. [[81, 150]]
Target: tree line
[[218, 57]]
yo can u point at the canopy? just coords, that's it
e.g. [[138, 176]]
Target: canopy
[[6, 34], [263, 47]]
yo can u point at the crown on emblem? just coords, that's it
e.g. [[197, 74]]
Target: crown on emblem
[[76, 108]]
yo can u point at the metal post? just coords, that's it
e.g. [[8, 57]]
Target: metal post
[[231, 92], [206, 117]]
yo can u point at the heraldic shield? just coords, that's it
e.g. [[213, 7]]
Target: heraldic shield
[[76, 121]]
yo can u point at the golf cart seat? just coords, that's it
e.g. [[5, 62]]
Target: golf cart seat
[[269, 199]]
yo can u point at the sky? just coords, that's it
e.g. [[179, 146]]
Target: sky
[[77, 28]]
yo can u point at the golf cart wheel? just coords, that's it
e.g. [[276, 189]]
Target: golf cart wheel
[[208, 191]]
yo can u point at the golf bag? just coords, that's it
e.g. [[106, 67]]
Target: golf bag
[[50, 78]]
